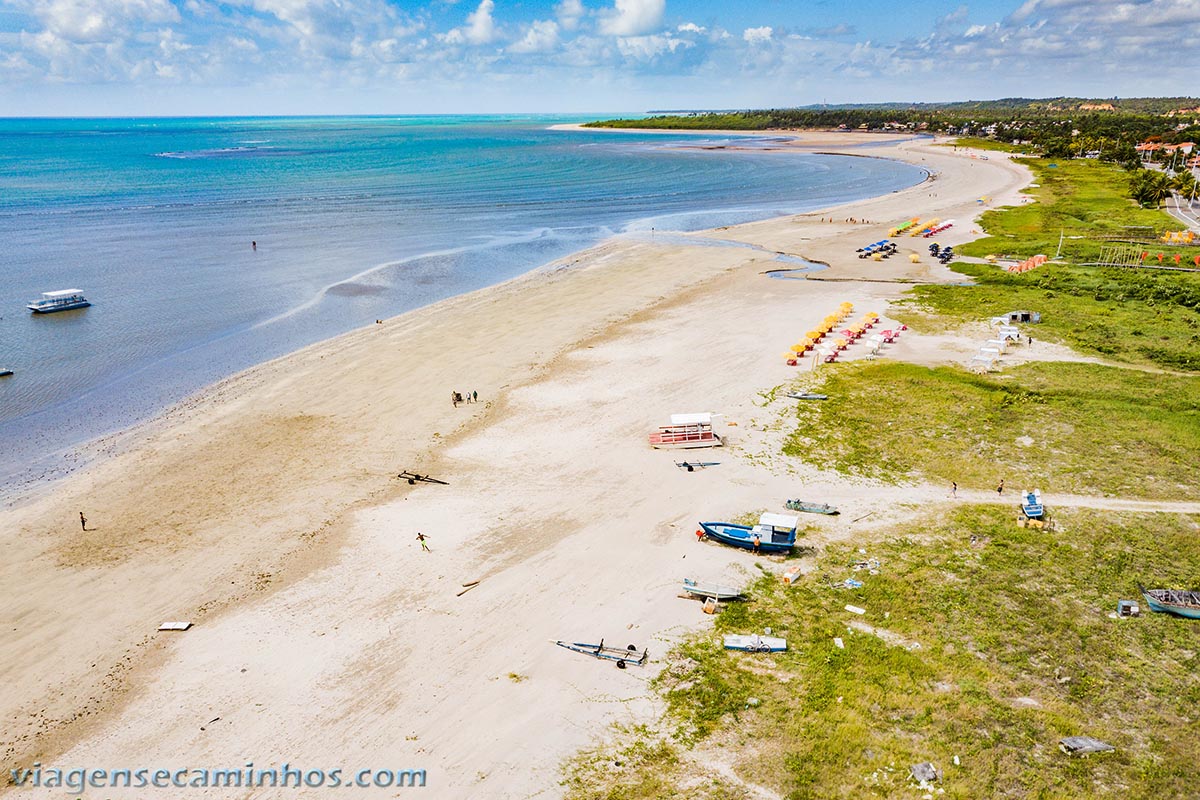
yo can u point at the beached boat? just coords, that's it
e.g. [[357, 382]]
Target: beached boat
[[623, 656], [1179, 602], [774, 533], [807, 396], [812, 508], [62, 300], [686, 431], [709, 589], [754, 643], [1031, 504]]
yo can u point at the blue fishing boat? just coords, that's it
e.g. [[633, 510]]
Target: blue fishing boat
[[1173, 601], [1031, 504], [774, 533]]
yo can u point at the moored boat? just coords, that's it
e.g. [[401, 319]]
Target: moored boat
[[61, 300], [709, 589], [4, 373], [774, 533], [811, 508], [1179, 602], [753, 643]]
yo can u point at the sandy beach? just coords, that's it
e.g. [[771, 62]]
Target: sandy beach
[[267, 512]]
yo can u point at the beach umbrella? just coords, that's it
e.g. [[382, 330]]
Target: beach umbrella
[[815, 336], [841, 343], [914, 258]]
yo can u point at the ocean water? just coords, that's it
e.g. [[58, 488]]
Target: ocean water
[[355, 219]]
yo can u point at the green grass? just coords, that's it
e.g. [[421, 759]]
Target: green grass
[[1016, 651], [988, 144], [1132, 315], [1065, 427], [1083, 198]]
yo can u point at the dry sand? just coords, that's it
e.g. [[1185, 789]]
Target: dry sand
[[267, 512]]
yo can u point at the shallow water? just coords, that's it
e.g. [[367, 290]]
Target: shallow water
[[354, 218]]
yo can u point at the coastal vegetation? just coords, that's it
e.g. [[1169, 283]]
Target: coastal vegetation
[[1081, 428], [1060, 127], [966, 658]]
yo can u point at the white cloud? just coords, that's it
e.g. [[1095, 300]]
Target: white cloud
[[633, 17], [481, 28], [100, 20], [758, 35], [647, 48], [569, 13], [540, 37], [691, 27]]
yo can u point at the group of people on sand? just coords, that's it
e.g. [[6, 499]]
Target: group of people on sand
[[851, 220], [464, 397]]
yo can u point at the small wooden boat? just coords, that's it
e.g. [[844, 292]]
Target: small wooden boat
[[413, 478], [4, 373], [685, 432], [755, 643], [692, 466], [774, 533], [812, 508], [807, 396], [1179, 602], [708, 589], [623, 656]]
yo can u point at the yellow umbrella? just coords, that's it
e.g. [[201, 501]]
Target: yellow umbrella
[[814, 335], [841, 343]]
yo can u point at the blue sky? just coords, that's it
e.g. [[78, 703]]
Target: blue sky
[[145, 57]]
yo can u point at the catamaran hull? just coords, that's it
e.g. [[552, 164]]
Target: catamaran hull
[[54, 309]]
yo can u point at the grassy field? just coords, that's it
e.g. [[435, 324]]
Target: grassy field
[[1137, 316], [981, 641], [1077, 428], [1077, 198]]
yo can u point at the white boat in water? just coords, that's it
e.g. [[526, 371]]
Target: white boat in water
[[62, 300]]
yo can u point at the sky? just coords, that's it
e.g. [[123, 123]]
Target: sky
[[208, 57]]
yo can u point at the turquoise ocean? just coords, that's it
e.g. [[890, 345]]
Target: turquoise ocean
[[355, 219]]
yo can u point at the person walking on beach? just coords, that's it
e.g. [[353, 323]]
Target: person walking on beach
[[454, 398], [953, 488], [421, 539], [82, 521], [1000, 488], [474, 396]]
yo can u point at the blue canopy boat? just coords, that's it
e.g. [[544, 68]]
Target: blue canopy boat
[[1173, 601], [1031, 504], [774, 533]]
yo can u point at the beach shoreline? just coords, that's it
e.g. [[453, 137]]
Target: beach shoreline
[[265, 510]]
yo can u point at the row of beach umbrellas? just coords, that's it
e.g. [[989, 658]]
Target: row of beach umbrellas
[[827, 340]]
